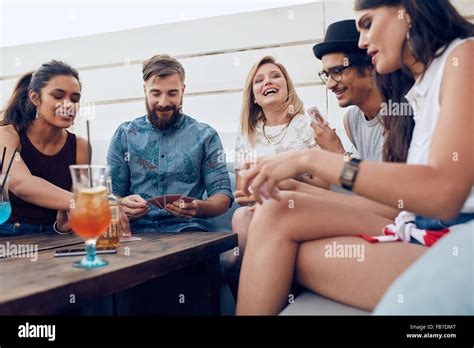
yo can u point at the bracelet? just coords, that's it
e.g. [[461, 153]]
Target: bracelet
[[56, 229]]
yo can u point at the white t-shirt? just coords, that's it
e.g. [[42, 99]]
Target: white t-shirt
[[424, 99], [299, 135]]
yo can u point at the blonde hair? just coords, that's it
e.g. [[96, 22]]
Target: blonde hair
[[251, 113]]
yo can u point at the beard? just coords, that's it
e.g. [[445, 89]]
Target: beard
[[163, 122]]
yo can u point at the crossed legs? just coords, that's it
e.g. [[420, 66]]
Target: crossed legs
[[293, 233]]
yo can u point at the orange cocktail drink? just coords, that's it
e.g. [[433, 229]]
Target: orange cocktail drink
[[90, 216]]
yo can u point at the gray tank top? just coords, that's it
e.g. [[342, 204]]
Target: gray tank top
[[367, 135]]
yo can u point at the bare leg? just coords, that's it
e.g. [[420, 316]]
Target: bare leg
[[240, 225], [275, 232], [353, 200], [351, 280]]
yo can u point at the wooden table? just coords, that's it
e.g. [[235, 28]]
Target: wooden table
[[51, 285]]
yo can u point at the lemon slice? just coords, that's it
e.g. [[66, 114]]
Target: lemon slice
[[94, 190]]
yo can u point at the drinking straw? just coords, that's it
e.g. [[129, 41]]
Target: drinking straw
[[3, 158], [8, 170], [89, 153], [88, 144]]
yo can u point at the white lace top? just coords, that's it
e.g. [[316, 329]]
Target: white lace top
[[299, 135]]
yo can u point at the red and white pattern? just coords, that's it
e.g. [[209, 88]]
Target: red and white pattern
[[404, 229]]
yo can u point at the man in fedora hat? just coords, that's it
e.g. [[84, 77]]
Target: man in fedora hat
[[349, 74]]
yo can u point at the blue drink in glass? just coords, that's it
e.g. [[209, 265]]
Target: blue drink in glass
[[5, 211], [5, 206]]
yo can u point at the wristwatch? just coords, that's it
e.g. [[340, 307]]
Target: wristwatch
[[349, 173]]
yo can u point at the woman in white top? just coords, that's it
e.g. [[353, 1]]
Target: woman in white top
[[272, 121], [431, 41]]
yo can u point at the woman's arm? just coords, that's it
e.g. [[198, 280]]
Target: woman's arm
[[83, 151], [26, 186], [438, 189], [82, 157]]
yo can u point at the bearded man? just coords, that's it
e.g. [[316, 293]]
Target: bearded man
[[166, 152]]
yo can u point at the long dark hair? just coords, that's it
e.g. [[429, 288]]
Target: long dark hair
[[434, 24], [20, 110]]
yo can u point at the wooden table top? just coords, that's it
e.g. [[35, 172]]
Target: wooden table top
[[45, 241], [45, 286]]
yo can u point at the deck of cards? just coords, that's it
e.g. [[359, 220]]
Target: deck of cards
[[162, 201]]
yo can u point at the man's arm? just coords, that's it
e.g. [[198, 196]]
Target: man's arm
[[217, 182], [118, 159], [216, 178], [347, 128], [214, 205]]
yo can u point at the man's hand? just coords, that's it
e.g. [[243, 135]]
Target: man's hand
[[326, 137], [182, 209], [134, 206], [124, 223]]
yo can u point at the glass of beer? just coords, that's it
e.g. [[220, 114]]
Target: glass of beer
[[89, 214]]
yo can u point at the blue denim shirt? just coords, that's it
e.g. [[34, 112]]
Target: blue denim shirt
[[187, 158]]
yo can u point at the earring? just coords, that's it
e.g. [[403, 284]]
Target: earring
[[408, 40]]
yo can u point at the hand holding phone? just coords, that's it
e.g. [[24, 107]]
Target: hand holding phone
[[316, 114]]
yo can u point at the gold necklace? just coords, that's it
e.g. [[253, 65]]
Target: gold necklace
[[285, 129]]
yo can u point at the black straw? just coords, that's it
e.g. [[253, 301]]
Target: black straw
[[8, 170], [89, 153], [88, 144], [3, 159]]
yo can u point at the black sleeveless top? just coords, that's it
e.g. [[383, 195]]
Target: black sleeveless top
[[54, 169]]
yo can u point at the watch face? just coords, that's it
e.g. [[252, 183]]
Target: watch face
[[348, 174]]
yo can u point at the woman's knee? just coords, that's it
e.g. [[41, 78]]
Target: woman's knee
[[241, 219], [271, 218]]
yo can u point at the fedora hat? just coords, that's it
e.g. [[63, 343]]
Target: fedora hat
[[340, 36]]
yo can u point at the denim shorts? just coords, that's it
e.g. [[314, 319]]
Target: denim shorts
[[16, 229], [427, 223]]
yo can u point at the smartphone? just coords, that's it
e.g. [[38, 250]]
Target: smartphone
[[316, 114], [82, 251]]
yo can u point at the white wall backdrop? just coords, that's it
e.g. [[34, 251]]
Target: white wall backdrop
[[217, 54]]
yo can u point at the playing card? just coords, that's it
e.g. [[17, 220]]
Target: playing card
[[170, 199], [157, 201], [162, 201], [187, 199]]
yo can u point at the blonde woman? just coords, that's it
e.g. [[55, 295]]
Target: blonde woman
[[272, 121]]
